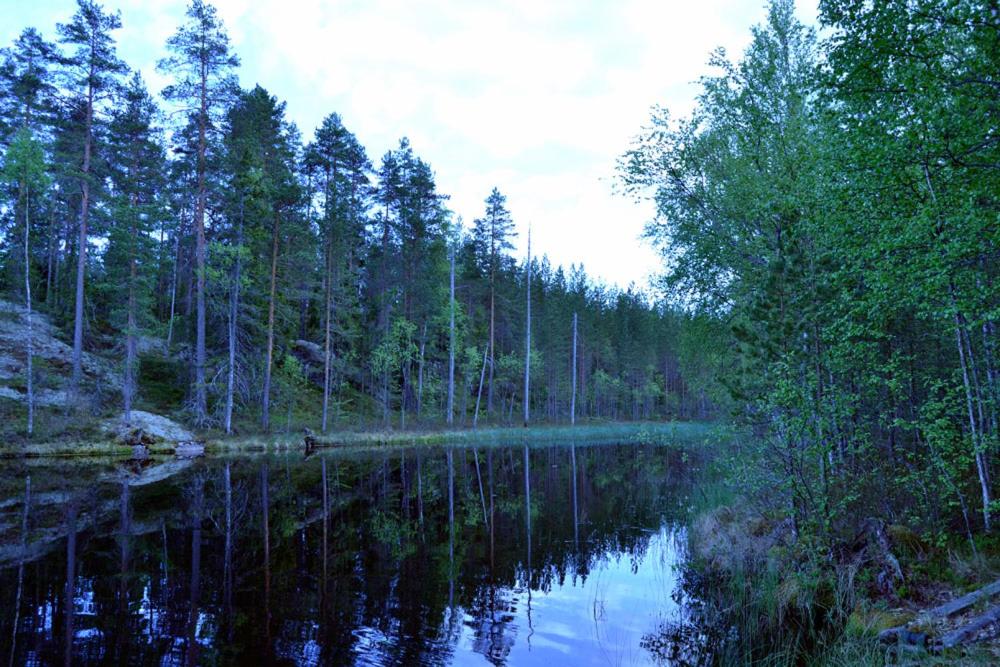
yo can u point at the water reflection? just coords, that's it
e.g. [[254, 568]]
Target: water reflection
[[562, 555]]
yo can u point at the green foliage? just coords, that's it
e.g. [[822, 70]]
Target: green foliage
[[815, 207], [208, 215]]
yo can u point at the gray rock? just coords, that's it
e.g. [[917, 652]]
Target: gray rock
[[46, 345], [147, 428], [309, 352], [189, 450]]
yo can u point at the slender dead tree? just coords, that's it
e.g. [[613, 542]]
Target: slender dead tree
[[451, 344], [479, 394], [265, 420], [572, 399], [20, 566], [27, 305], [527, 336], [234, 312]]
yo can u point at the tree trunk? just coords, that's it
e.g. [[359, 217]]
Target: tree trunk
[[51, 254], [265, 511], [451, 345], [527, 337], [572, 400], [69, 593], [201, 394], [195, 590], [227, 574], [20, 567], [489, 392], [81, 256], [173, 286], [266, 408], [327, 334], [27, 305], [479, 394], [129, 385], [981, 470], [420, 371], [234, 312]]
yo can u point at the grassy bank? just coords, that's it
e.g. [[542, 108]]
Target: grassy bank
[[622, 432], [639, 432], [769, 596]]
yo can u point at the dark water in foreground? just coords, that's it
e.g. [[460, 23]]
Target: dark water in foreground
[[391, 556]]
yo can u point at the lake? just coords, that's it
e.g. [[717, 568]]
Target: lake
[[542, 555]]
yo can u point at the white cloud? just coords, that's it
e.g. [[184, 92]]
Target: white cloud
[[537, 97]]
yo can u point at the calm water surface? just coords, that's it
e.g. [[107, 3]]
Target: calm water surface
[[548, 555]]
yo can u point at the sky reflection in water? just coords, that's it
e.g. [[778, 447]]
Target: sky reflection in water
[[415, 556]]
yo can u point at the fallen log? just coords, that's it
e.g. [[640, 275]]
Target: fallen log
[[903, 635], [961, 604], [970, 631]]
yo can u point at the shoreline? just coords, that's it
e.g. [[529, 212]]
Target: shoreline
[[632, 432]]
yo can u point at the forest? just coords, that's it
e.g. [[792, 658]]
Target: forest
[[220, 267], [832, 206], [828, 218]]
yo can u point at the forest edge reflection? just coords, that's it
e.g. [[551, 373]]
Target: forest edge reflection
[[381, 557]]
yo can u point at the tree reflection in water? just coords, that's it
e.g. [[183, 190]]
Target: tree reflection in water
[[426, 556]]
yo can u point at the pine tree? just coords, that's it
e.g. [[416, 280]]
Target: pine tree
[[24, 167], [491, 238], [28, 84], [137, 165], [93, 70], [201, 65]]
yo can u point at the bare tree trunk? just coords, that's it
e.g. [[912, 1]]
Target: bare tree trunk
[[451, 531], [266, 408], [201, 392], [991, 382], [129, 385], [234, 312], [173, 289], [51, 254], [451, 345], [27, 305], [266, 509], [81, 255], [327, 335], [420, 370], [20, 567], [981, 470], [527, 337], [479, 478], [479, 394], [576, 514], [69, 593], [326, 522], [56, 303], [227, 574], [489, 392], [572, 400], [385, 397], [420, 492], [195, 592]]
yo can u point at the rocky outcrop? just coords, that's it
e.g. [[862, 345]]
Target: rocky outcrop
[[145, 428], [311, 356], [57, 355]]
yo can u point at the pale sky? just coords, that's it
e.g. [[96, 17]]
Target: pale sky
[[536, 97]]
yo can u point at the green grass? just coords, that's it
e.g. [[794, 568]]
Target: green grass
[[79, 444], [640, 433]]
